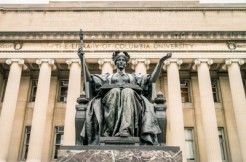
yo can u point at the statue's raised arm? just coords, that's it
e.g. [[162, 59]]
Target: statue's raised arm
[[157, 70]]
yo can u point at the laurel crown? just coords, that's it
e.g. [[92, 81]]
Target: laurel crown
[[117, 54]]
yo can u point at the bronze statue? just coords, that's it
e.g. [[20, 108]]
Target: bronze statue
[[120, 105]]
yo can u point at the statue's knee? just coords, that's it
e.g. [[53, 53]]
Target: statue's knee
[[115, 91], [127, 91]]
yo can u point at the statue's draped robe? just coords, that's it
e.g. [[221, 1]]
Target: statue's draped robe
[[119, 109]]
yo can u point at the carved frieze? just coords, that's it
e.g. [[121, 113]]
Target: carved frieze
[[126, 46]]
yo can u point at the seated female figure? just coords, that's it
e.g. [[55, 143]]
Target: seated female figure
[[120, 107]]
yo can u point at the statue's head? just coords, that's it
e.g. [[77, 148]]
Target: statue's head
[[117, 54], [120, 59]]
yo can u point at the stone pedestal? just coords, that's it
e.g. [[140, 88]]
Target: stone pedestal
[[119, 153]]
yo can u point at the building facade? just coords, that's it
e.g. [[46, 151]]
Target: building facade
[[203, 83]]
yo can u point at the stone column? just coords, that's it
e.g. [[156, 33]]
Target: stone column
[[40, 111], [72, 95], [175, 104], [140, 65], [106, 65], [238, 100], [9, 106], [209, 121], [232, 133]]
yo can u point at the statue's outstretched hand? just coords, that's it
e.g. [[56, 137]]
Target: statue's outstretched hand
[[168, 55], [80, 53]]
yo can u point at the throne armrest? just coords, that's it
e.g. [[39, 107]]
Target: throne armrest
[[160, 109], [80, 117]]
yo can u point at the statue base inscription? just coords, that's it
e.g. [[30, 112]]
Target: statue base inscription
[[121, 153], [112, 141]]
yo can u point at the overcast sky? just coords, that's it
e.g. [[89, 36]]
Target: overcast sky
[[47, 1]]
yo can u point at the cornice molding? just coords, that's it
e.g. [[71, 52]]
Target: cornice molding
[[121, 9], [123, 35]]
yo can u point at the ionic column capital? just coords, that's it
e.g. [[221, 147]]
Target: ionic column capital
[[169, 61], [51, 62], [105, 60], [229, 62], [71, 61], [138, 60], [199, 61], [21, 62]]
